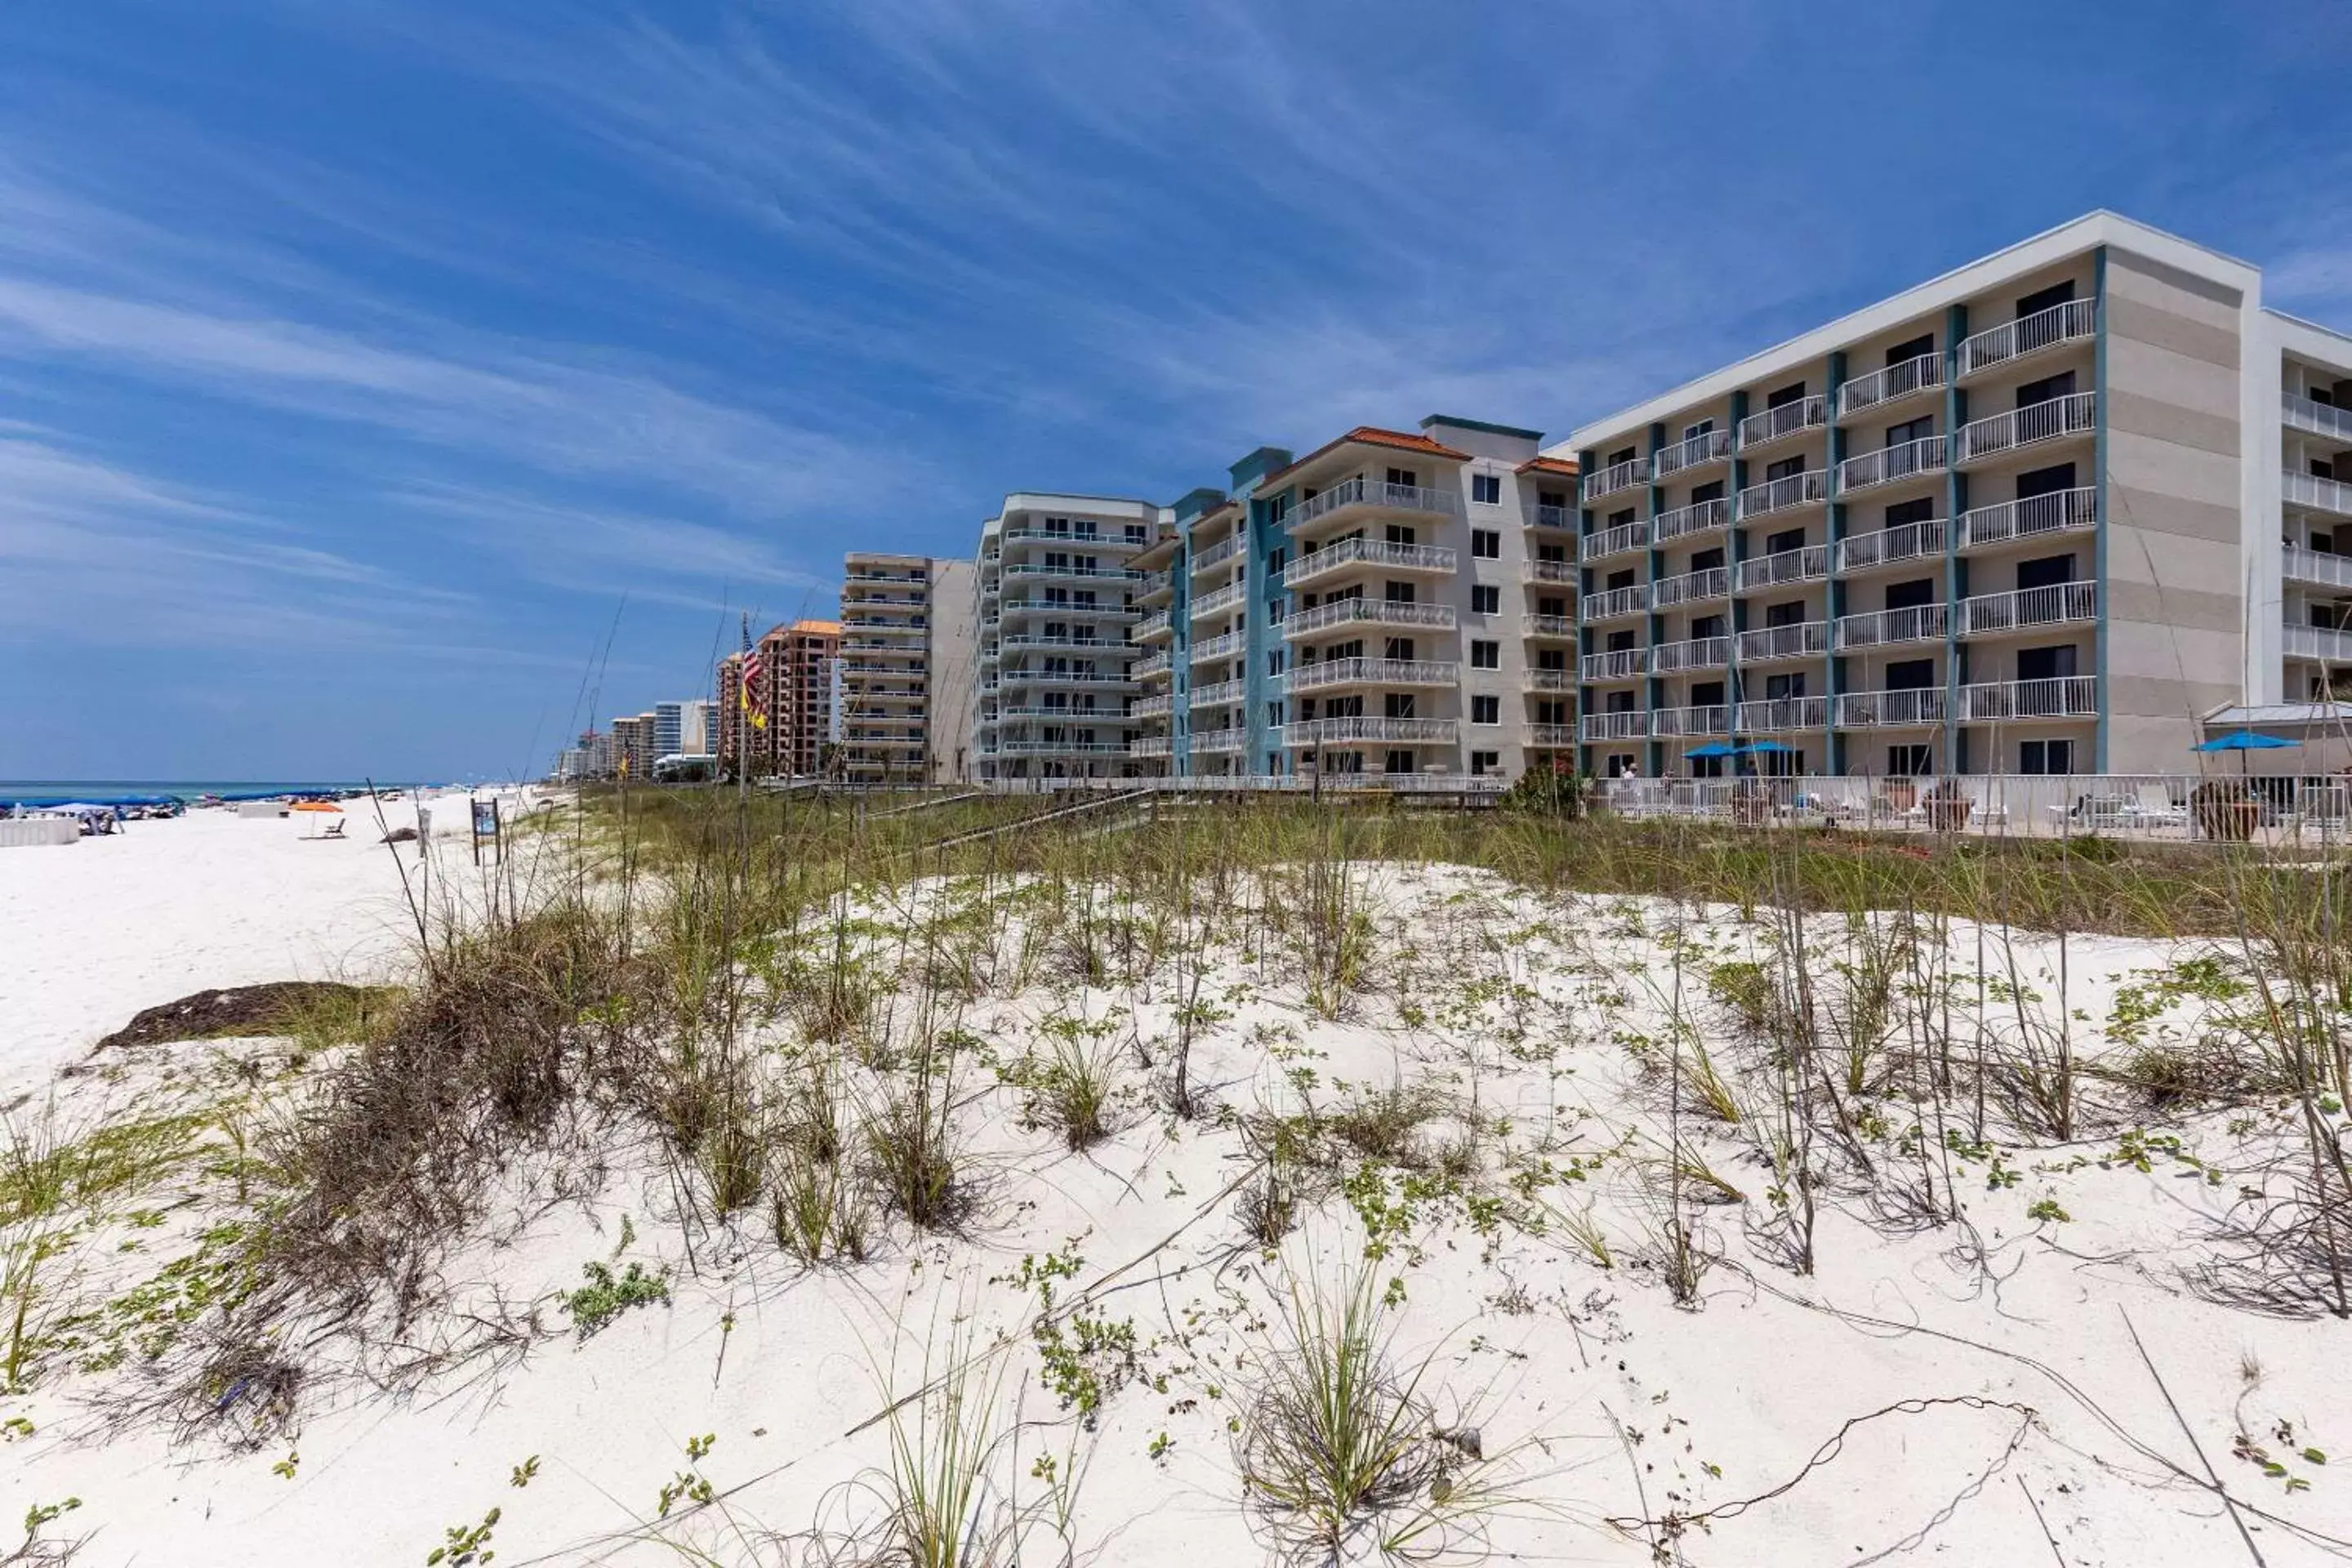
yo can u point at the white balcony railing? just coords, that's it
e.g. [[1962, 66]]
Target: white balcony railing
[[1617, 477], [2316, 566], [2318, 418], [1219, 743], [1552, 627], [2075, 415], [1369, 612], [1793, 418], [1149, 746], [1551, 517], [1152, 706], [2324, 643], [1903, 460], [1611, 603], [1783, 713], [1698, 517], [1712, 446], [1885, 546], [2320, 495], [2060, 325], [1915, 623], [1221, 647], [1625, 537], [1368, 727], [1693, 652], [1802, 564], [1869, 709], [1785, 493], [1799, 639], [1217, 554], [1614, 663], [2063, 696], [1633, 725], [1079, 573], [1892, 384], [1219, 600], [1706, 582], [1548, 680], [2060, 511], [1150, 664], [1155, 624], [1550, 572], [1367, 554], [1712, 719], [2049, 605], [1326, 672], [1219, 694], [1362, 490], [1552, 736]]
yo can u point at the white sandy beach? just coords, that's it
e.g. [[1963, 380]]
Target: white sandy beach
[[2001, 1413]]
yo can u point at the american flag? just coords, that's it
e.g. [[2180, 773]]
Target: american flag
[[750, 704]]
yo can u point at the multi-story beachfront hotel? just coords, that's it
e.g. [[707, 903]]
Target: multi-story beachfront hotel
[[2065, 510]]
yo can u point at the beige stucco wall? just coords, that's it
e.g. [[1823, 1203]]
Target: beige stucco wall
[[954, 660]]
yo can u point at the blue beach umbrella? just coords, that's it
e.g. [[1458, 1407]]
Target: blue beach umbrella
[[1763, 746], [1713, 748], [2245, 741]]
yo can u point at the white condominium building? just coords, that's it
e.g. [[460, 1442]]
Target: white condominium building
[[1058, 603], [2059, 510], [906, 669]]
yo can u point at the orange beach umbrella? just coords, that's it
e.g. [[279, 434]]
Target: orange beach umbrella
[[317, 805]]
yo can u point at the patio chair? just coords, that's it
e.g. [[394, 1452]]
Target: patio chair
[[2155, 808]]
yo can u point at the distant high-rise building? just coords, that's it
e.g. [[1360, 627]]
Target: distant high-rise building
[[696, 728], [790, 693], [907, 624], [669, 729]]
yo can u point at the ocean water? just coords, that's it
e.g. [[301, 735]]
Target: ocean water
[[104, 790]]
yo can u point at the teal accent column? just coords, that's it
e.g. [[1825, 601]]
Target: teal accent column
[[1955, 410], [2099, 501], [1832, 591]]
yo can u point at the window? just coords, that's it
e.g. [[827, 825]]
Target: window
[[1915, 348], [1791, 614], [1553, 657], [1778, 687], [2045, 663], [1274, 715], [1693, 432], [2045, 571], [1397, 648], [1485, 763], [2041, 300], [2049, 389], [1788, 538], [1620, 519], [1552, 606], [1399, 763], [1397, 704], [1485, 544], [1486, 710], [1274, 662], [1487, 489], [1397, 592], [1909, 511], [1794, 393], [1910, 761], [1711, 490], [1485, 656], [1911, 674], [1911, 430], [2045, 756], [1621, 455], [1275, 559], [1786, 467], [2045, 481], [1558, 552], [1706, 560], [1707, 694], [1551, 712], [1911, 595], [1556, 499], [1486, 599], [1395, 534], [1408, 478]]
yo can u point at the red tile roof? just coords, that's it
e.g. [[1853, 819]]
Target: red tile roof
[[1549, 466], [1369, 435]]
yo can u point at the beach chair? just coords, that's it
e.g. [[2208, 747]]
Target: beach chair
[[2154, 808]]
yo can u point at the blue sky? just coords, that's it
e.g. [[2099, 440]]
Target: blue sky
[[391, 387]]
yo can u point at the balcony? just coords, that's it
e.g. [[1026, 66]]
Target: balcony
[[1368, 612], [1321, 673], [1551, 737], [2064, 697], [1219, 694], [2071, 323], [1066, 714], [1896, 383], [1891, 465], [1799, 639], [1365, 727], [1805, 564], [1617, 477], [1086, 677], [1369, 554], [1548, 680], [2058, 419], [1613, 603], [1075, 608], [1785, 494], [1622, 539], [2316, 566], [2060, 511], [1551, 517], [1989, 613], [1149, 746], [1889, 546], [1784, 423], [1549, 628], [1549, 571], [1691, 587], [1628, 725], [1782, 714], [1217, 554], [1152, 706], [1219, 743], [1144, 668], [1890, 709], [1614, 663], [1695, 653], [2320, 495], [1090, 539], [1697, 451], [2317, 418], [1225, 646], [1219, 601], [855, 573], [1026, 748], [2325, 644], [1880, 628], [1714, 718], [1075, 573], [1360, 491], [1699, 517]]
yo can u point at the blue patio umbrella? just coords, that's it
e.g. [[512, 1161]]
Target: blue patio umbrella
[[1713, 748], [2245, 741], [1763, 746]]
